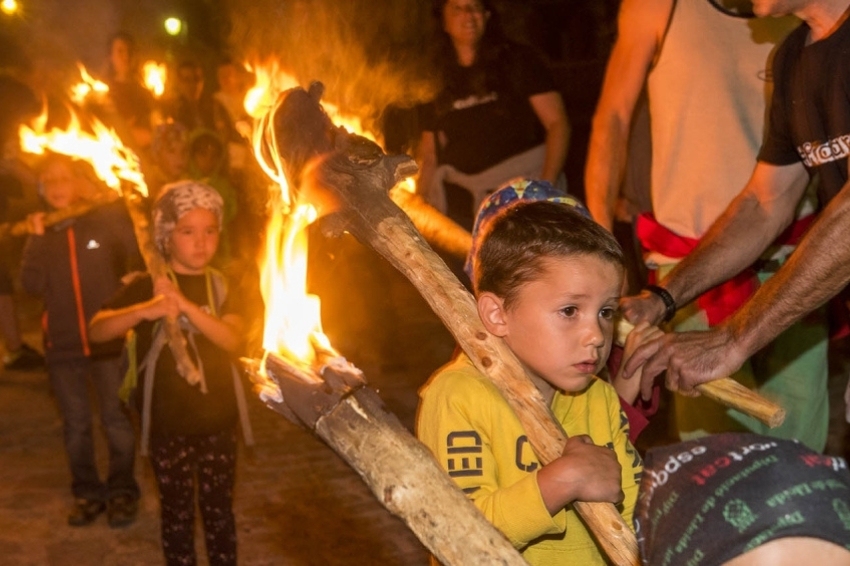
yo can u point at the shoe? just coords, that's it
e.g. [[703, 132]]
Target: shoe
[[85, 511], [25, 358], [121, 511]]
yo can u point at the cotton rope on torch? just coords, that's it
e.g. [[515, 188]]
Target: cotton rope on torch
[[347, 178], [118, 168], [302, 377]]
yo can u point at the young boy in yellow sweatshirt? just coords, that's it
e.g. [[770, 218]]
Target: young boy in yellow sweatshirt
[[547, 280]]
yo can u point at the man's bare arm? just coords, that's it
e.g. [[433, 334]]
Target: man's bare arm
[[641, 25], [751, 222], [817, 270]]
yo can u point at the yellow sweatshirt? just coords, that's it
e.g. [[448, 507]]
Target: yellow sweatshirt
[[478, 439]]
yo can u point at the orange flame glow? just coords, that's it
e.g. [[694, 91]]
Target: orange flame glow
[[101, 147], [88, 87], [154, 77], [293, 326]]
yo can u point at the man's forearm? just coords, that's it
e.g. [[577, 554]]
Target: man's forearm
[[557, 141], [604, 170], [817, 270], [751, 222]]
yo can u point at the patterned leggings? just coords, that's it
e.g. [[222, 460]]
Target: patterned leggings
[[175, 461]]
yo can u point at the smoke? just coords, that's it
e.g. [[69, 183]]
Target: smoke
[[369, 54]]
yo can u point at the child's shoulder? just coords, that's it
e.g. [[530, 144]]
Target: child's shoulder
[[458, 379]]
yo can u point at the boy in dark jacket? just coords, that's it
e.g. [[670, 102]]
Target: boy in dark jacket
[[75, 266]]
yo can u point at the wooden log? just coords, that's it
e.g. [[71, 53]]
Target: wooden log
[[725, 390], [352, 182], [439, 230], [156, 266], [401, 472], [21, 228]]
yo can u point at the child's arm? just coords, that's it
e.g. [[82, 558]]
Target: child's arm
[[225, 332], [470, 430], [108, 324], [584, 472], [628, 389]]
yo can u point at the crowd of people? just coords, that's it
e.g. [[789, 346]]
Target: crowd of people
[[740, 237]]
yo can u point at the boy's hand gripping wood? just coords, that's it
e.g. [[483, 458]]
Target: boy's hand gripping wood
[[349, 176], [726, 391]]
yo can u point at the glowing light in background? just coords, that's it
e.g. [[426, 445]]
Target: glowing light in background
[[9, 7], [173, 26], [154, 76]]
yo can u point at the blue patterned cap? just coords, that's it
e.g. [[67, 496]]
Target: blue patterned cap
[[514, 191]]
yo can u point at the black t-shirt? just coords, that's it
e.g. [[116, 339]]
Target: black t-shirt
[[179, 408], [484, 125], [810, 111]]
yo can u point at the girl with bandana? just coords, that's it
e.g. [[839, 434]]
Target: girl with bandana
[[192, 433]]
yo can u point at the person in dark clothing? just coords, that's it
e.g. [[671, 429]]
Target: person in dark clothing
[[132, 102], [497, 114], [75, 266], [192, 430], [192, 106], [17, 103]]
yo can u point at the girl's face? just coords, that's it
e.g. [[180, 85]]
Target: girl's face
[[465, 21], [193, 242]]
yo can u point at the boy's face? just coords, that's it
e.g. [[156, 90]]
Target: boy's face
[[193, 242], [60, 187], [561, 324]]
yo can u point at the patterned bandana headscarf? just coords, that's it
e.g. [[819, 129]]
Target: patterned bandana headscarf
[[175, 200], [514, 191]]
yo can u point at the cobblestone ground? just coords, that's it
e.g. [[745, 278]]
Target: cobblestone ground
[[296, 502]]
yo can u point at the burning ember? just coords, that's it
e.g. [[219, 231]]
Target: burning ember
[[100, 146], [88, 87], [154, 77]]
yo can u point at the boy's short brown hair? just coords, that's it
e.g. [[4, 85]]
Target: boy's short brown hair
[[520, 238]]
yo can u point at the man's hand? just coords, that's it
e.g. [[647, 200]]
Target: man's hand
[[690, 358], [646, 307]]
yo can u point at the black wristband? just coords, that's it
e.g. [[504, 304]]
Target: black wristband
[[669, 302]]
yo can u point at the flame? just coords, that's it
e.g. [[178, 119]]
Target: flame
[[293, 325], [98, 145], [89, 85], [154, 77]]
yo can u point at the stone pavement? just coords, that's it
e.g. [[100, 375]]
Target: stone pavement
[[296, 502]]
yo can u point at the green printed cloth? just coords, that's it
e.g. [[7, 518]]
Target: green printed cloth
[[706, 501]]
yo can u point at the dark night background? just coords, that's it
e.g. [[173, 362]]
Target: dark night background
[[368, 53]]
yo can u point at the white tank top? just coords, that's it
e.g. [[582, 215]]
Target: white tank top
[[708, 94]]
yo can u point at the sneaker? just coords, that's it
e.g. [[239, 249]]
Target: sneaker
[[121, 511], [25, 358], [85, 511]]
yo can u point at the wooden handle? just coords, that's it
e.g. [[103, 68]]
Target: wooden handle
[[725, 390]]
